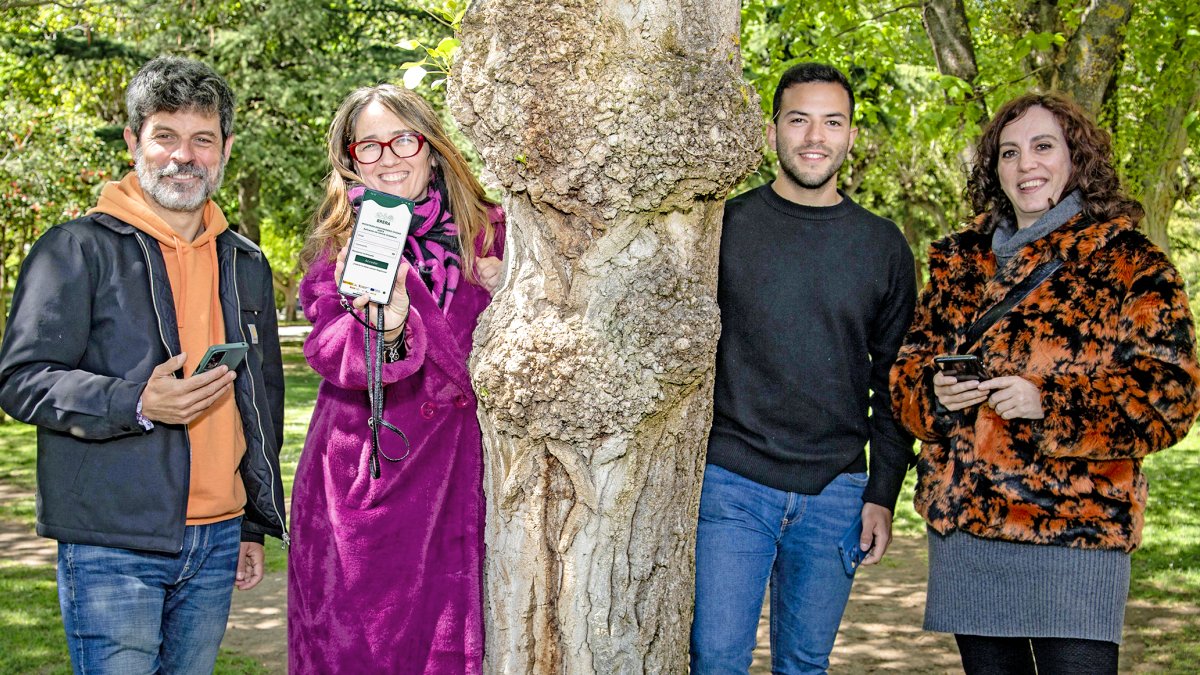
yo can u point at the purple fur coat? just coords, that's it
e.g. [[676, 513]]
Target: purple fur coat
[[385, 574]]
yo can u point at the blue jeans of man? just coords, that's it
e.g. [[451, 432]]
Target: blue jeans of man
[[750, 534], [128, 611]]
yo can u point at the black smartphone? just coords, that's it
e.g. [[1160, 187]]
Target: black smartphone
[[229, 354], [961, 366]]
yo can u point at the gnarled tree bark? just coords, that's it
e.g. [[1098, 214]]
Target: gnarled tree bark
[[616, 129]]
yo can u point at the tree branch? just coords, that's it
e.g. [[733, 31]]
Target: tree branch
[[913, 5], [1092, 53], [949, 33], [946, 25], [6, 5]]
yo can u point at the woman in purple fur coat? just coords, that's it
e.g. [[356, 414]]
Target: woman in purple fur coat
[[385, 568]]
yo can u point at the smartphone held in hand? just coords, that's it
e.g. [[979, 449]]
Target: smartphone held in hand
[[229, 354], [961, 367], [376, 244], [849, 549]]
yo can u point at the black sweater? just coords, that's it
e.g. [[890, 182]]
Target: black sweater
[[814, 302]]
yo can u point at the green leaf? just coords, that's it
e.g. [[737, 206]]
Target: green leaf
[[413, 77]]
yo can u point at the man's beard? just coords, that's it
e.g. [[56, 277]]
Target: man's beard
[[174, 196], [787, 161]]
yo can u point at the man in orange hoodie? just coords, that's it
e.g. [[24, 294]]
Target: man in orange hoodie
[[158, 483]]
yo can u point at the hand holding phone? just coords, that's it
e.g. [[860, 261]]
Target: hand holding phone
[[172, 399], [229, 354], [849, 549], [374, 252], [961, 367], [956, 385]]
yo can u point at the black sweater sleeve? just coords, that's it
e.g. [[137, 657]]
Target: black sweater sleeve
[[891, 445]]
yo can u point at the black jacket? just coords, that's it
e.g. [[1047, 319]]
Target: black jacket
[[91, 317]]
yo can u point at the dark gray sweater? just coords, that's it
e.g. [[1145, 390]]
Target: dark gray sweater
[[814, 302]]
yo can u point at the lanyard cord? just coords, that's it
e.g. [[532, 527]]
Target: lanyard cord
[[375, 389]]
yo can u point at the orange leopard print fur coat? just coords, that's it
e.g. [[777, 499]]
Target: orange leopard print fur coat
[[1110, 343]]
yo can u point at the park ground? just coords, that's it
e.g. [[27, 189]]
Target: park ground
[[881, 632]]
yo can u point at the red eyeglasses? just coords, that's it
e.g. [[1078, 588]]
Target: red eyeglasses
[[405, 145]]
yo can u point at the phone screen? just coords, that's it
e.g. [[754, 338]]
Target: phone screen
[[376, 244], [961, 367]]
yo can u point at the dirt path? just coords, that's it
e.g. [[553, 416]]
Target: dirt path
[[881, 631]]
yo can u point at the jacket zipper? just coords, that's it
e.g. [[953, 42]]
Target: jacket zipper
[[287, 540], [162, 336]]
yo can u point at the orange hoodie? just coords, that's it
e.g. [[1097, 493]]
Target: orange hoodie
[[216, 491]]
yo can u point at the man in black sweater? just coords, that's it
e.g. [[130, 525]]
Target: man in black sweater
[[816, 294]]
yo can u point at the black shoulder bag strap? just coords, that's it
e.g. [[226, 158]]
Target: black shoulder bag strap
[[1017, 294]]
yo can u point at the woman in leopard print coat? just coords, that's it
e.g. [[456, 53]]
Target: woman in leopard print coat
[[1030, 481]]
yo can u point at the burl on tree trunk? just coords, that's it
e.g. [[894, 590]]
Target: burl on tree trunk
[[616, 129]]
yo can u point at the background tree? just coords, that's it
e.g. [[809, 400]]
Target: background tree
[[616, 136], [289, 63], [928, 72]]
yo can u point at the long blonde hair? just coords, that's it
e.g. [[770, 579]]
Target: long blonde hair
[[468, 202]]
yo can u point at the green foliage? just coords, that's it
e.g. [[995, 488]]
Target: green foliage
[[437, 60], [290, 64], [916, 124], [52, 164], [1159, 71]]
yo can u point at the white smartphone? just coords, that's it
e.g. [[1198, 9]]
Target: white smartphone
[[376, 244]]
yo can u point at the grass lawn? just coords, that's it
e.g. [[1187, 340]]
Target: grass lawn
[[31, 633], [1166, 570]]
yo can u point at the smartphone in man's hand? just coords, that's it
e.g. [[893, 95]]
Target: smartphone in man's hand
[[229, 354]]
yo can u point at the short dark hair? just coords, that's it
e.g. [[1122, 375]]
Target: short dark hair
[[170, 84], [1092, 170], [803, 73]]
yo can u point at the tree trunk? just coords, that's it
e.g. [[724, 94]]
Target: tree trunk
[[616, 131], [249, 187], [949, 33], [291, 294], [1088, 65], [1161, 188], [1040, 16], [946, 24]]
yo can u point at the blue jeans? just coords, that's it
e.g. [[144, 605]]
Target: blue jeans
[[749, 534], [141, 612]]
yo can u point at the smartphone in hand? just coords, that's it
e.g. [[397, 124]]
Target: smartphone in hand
[[849, 549], [374, 253], [229, 354], [961, 367]]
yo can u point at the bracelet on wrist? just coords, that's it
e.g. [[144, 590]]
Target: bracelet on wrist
[[395, 350]]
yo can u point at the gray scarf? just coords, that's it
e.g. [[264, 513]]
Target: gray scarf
[[1007, 240]]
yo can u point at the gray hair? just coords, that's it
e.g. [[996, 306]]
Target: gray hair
[[171, 84]]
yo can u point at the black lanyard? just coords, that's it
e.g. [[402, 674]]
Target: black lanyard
[[375, 388], [375, 394]]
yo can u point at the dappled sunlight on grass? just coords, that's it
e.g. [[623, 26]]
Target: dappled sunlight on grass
[[31, 633]]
